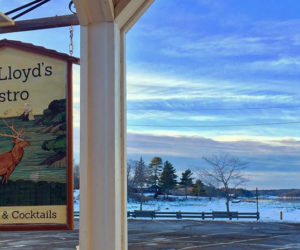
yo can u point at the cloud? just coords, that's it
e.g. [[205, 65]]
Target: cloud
[[277, 28], [160, 99], [220, 42], [268, 158], [160, 86], [195, 147], [273, 180], [284, 65], [221, 45]]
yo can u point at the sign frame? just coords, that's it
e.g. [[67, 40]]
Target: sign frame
[[69, 136]]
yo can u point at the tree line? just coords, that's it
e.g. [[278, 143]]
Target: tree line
[[158, 177], [221, 177]]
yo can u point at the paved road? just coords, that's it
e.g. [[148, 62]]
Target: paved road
[[167, 235], [40, 240], [157, 234]]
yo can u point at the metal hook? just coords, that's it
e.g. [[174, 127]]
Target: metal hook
[[70, 6]]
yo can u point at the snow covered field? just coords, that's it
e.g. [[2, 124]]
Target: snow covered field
[[269, 207]]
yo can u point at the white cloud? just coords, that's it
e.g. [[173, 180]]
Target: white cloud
[[220, 46], [196, 146], [273, 163], [148, 115], [272, 179], [283, 64], [160, 86]]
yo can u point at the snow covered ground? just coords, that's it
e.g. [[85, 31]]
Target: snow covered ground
[[269, 207]]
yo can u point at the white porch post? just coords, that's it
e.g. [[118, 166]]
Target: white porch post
[[103, 176], [103, 187]]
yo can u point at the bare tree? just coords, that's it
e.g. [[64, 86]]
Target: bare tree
[[76, 170], [141, 179], [131, 166], [224, 171]]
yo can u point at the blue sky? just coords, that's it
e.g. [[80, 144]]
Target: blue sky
[[197, 67], [206, 65]]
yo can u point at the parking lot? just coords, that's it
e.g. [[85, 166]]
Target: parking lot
[[172, 234], [159, 234]]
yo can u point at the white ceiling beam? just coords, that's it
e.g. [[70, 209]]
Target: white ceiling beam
[[127, 12], [121, 5], [94, 11], [124, 12], [6, 21]]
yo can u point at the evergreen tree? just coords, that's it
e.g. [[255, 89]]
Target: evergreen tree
[[140, 179], [199, 188], [186, 180], [168, 177], [155, 168]]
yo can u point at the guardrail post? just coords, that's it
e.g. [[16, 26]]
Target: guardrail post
[[178, 215]]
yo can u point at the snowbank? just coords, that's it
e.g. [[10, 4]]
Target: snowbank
[[269, 207]]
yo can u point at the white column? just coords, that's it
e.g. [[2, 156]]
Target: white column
[[103, 217]]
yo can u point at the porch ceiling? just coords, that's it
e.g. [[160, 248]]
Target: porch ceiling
[[124, 12]]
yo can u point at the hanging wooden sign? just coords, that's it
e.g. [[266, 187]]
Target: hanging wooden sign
[[36, 158]]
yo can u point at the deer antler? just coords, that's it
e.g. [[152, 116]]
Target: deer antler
[[10, 136], [15, 134], [11, 127]]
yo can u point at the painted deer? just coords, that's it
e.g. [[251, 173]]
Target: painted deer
[[9, 160]]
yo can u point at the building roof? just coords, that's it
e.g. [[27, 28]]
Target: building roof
[[38, 49]]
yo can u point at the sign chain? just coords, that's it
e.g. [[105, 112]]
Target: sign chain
[[71, 46]]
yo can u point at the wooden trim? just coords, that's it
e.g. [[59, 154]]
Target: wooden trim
[[70, 177], [121, 5], [5, 20], [111, 8], [94, 11], [123, 137], [38, 50], [41, 23], [34, 227], [69, 182], [133, 18]]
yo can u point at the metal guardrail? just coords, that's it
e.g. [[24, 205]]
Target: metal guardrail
[[194, 215], [189, 215]]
